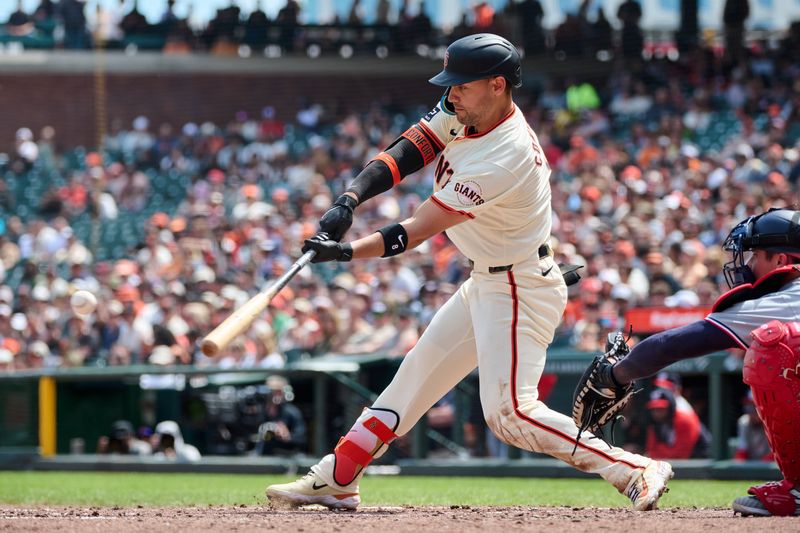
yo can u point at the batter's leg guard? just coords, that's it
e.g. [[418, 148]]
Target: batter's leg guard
[[368, 439], [772, 369]]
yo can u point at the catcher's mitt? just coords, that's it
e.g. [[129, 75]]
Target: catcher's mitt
[[598, 397]]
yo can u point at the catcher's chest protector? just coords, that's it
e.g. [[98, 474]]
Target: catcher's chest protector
[[772, 369]]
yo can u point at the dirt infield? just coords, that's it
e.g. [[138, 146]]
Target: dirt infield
[[381, 519]]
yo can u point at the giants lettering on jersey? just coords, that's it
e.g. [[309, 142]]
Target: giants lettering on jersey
[[468, 193]]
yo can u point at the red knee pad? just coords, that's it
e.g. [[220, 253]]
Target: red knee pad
[[352, 458], [772, 369]]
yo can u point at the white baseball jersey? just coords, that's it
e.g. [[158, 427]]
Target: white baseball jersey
[[500, 179], [499, 321]]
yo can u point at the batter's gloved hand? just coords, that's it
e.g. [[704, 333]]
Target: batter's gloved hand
[[327, 249], [338, 219], [599, 397]]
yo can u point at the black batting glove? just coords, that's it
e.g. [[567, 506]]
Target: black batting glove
[[327, 249], [338, 219]]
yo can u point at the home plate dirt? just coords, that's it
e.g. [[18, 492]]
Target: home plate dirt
[[381, 519]]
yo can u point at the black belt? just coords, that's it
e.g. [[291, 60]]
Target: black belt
[[544, 251]]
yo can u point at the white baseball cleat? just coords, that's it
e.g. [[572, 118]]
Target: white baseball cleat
[[311, 490], [645, 489]]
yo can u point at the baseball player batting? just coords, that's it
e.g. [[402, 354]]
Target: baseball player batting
[[492, 197], [760, 314]]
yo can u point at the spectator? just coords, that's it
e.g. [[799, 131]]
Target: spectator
[[734, 15], [45, 13], [122, 440], [134, 23], [74, 19], [107, 31], [256, 28], [382, 12], [484, 16], [168, 443], [19, 23], [283, 429], [531, 15], [356, 16], [287, 21], [672, 434], [602, 33], [751, 440], [629, 14], [569, 37]]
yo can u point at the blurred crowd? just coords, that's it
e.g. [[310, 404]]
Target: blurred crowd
[[650, 172], [68, 24], [586, 30]]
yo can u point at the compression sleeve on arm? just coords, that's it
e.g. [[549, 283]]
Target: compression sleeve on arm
[[662, 349], [407, 154]]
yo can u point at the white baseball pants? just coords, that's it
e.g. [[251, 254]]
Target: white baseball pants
[[502, 323]]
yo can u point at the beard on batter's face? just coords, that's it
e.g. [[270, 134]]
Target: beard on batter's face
[[467, 118], [470, 102]]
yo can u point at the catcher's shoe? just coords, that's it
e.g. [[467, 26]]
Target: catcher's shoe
[[645, 489], [312, 490], [769, 499]]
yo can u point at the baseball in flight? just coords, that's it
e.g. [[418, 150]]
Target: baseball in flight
[[83, 302]]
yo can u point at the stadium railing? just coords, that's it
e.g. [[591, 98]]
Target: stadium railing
[[46, 409]]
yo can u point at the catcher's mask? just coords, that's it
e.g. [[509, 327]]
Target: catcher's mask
[[777, 230]]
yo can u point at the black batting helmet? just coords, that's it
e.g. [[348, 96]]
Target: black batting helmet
[[777, 230], [480, 56]]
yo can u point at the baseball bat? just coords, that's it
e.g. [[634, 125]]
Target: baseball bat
[[242, 318]]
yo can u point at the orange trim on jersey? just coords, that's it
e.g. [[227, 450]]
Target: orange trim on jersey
[[515, 403], [450, 209], [435, 138], [481, 134], [426, 148], [392, 164]]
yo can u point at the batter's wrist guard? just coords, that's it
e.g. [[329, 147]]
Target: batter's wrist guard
[[395, 239]]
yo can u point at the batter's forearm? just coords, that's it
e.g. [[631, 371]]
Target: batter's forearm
[[662, 349], [369, 246], [427, 221]]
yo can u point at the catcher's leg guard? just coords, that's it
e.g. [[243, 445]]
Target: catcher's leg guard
[[769, 499], [365, 441], [772, 369]]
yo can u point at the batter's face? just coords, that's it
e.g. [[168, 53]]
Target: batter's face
[[473, 101]]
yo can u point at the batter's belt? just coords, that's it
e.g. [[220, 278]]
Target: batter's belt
[[544, 251]]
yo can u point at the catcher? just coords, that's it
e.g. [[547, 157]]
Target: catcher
[[761, 314]]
